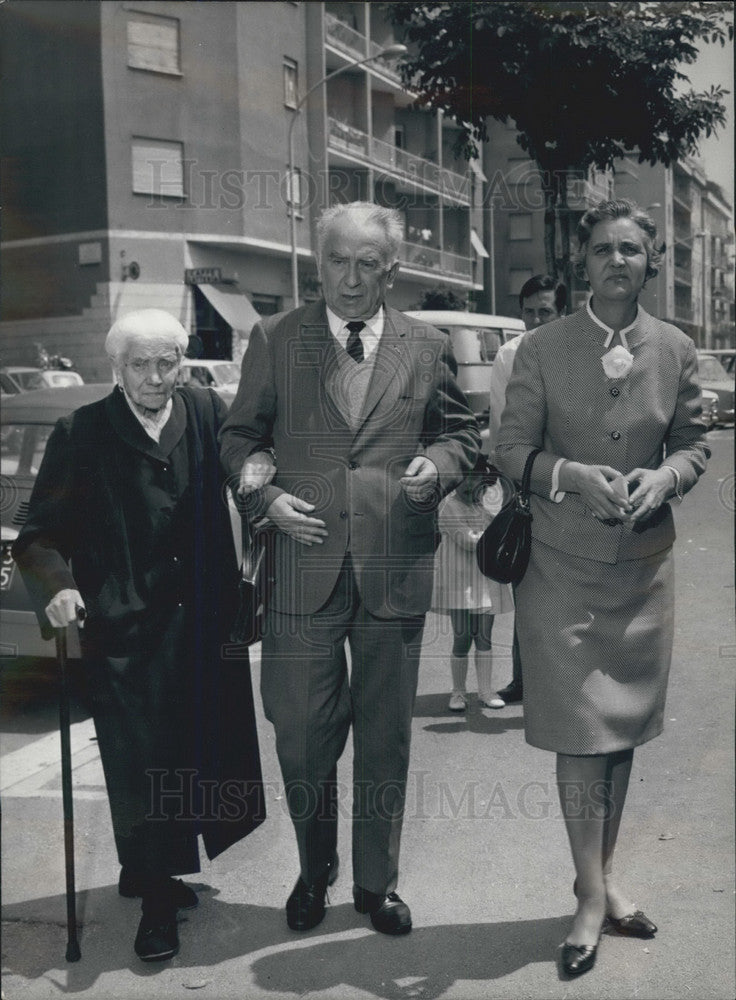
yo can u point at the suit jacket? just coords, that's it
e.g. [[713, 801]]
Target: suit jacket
[[413, 406], [559, 399]]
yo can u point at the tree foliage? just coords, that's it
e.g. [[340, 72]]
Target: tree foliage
[[443, 297], [584, 83]]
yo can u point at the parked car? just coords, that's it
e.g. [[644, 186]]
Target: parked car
[[28, 419], [8, 386], [222, 376], [475, 339], [709, 402], [712, 375], [42, 378]]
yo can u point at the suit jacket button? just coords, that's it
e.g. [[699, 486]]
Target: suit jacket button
[[615, 391], [343, 514], [616, 435]]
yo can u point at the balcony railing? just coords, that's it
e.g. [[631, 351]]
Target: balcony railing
[[444, 262], [383, 155], [343, 37], [354, 44]]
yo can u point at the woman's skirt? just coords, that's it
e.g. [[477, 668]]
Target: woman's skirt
[[596, 644]]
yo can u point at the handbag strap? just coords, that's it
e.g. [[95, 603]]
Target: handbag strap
[[527, 474], [522, 497]]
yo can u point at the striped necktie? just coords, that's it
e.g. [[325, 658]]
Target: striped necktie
[[354, 346]]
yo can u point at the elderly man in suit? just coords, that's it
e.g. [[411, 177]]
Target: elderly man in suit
[[130, 493], [369, 430]]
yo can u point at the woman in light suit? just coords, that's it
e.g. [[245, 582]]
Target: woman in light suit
[[610, 396]]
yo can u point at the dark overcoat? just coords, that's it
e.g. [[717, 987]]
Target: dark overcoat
[[142, 531]]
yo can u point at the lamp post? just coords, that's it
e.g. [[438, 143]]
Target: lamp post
[[388, 51]]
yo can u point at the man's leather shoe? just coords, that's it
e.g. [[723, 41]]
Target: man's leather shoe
[[157, 939], [512, 693], [577, 959], [183, 897], [305, 907], [635, 924], [389, 913]]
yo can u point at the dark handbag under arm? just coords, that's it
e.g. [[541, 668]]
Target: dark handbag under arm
[[504, 547]]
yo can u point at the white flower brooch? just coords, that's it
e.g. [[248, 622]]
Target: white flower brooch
[[617, 362]]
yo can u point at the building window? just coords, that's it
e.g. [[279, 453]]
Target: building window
[[291, 83], [520, 226], [399, 137], [517, 277], [158, 167], [266, 305], [153, 44]]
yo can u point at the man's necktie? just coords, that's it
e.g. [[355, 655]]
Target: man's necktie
[[354, 346]]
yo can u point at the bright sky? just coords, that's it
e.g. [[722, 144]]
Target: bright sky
[[715, 66]]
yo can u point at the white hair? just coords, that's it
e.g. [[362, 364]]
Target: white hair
[[364, 212], [145, 324]]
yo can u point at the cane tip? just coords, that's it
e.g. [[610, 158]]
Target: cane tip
[[73, 954]]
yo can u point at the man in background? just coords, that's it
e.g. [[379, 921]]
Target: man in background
[[541, 300]]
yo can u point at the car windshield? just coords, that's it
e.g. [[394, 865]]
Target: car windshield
[[22, 448], [25, 379], [711, 369]]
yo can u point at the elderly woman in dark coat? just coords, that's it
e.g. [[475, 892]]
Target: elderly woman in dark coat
[[128, 521], [610, 395]]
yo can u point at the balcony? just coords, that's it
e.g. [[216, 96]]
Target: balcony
[[354, 45], [682, 193], [445, 263], [403, 165]]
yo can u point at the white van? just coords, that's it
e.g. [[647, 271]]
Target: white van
[[475, 338]]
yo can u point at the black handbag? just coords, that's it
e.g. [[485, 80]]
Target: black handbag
[[256, 580], [503, 549]]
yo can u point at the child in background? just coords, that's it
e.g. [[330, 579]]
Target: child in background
[[460, 589]]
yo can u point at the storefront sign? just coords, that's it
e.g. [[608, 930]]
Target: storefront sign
[[203, 276]]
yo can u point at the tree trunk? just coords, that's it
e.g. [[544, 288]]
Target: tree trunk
[[565, 265], [550, 220]]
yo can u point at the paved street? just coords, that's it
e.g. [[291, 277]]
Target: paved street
[[485, 861]]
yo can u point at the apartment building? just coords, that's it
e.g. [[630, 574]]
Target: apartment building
[[694, 289], [514, 225], [147, 163]]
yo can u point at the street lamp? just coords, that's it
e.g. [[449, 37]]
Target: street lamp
[[389, 51]]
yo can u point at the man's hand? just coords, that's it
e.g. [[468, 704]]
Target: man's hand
[[420, 480], [258, 470], [64, 607], [289, 514]]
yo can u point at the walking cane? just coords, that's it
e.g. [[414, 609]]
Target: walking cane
[[73, 954]]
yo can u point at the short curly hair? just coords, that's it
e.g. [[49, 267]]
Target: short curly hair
[[619, 208]]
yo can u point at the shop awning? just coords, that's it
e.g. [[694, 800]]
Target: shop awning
[[235, 307], [477, 244]]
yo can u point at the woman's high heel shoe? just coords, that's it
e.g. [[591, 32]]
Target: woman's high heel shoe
[[636, 924]]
